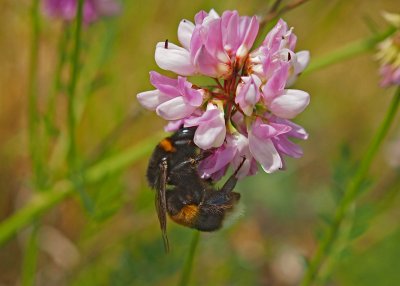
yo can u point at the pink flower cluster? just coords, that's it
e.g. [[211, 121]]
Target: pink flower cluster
[[92, 9], [389, 53], [246, 111]]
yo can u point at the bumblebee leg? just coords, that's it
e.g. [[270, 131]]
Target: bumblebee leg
[[231, 182], [161, 202], [191, 162]]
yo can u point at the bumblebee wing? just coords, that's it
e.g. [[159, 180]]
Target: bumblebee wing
[[161, 202]]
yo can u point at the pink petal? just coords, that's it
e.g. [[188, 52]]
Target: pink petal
[[265, 153], [152, 98], [210, 17], [274, 37], [108, 7], [220, 158], [199, 17], [276, 83], [240, 124], [164, 84], [290, 103], [270, 130], [248, 94], [185, 31], [174, 109], [211, 130], [193, 96], [90, 12], [206, 63], [285, 146], [291, 40], [249, 37], [174, 58], [214, 41], [303, 58], [241, 143], [296, 130], [241, 92], [173, 126], [254, 95], [209, 115], [196, 42], [213, 14], [230, 30], [210, 135]]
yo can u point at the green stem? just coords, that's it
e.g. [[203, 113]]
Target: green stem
[[346, 52], [33, 114], [30, 257], [389, 198], [72, 86], [350, 195], [187, 270], [89, 73], [57, 82], [42, 201], [75, 170]]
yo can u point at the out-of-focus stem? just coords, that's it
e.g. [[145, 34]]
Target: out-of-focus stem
[[57, 82], [75, 172], [30, 257], [72, 86], [42, 201], [187, 270], [350, 195], [33, 114], [350, 50], [29, 260], [275, 6], [275, 13], [88, 75]]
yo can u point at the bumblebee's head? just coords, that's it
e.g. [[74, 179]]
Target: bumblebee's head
[[186, 133]]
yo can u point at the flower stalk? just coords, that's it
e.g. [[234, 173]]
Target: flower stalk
[[57, 81], [187, 270], [72, 87], [33, 113], [31, 252], [348, 51], [275, 12], [29, 257], [350, 196]]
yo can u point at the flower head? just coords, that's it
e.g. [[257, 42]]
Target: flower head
[[247, 113], [213, 45], [389, 54], [92, 9]]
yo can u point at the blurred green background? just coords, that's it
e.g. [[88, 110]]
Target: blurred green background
[[117, 240]]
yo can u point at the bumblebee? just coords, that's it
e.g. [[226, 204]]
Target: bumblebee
[[181, 193]]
